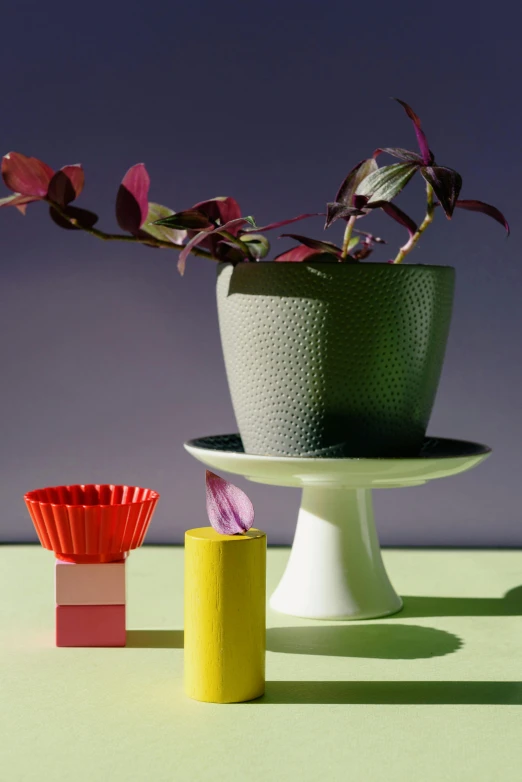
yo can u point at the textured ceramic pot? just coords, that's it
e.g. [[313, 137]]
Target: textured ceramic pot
[[330, 359]]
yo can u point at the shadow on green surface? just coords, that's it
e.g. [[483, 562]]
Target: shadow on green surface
[[417, 606], [393, 693], [383, 641], [154, 639]]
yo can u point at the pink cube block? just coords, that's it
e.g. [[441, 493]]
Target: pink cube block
[[99, 584], [90, 625]]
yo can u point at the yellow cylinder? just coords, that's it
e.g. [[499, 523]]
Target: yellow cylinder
[[225, 587]]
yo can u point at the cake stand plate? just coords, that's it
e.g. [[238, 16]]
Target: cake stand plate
[[335, 569]]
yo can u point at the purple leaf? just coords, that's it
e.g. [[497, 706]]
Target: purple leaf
[[487, 209], [132, 201], [156, 226], [353, 179], [401, 217], [402, 154], [280, 224], [337, 211], [298, 254], [82, 217], [387, 182], [426, 153], [230, 511], [200, 237], [314, 244], [446, 184], [26, 175], [363, 252], [66, 184]]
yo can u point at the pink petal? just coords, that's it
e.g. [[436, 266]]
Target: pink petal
[[229, 509], [26, 175], [132, 202], [66, 184]]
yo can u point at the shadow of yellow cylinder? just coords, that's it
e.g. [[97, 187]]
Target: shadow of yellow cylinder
[[225, 588]]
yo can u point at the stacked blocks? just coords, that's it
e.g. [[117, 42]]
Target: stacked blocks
[[90, 604]]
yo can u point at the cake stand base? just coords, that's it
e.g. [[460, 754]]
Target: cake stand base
[[335, 569]]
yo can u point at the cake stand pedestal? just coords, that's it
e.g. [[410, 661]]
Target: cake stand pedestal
[[335, 569]]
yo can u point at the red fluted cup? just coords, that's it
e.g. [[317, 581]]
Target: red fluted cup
[[92, 522]]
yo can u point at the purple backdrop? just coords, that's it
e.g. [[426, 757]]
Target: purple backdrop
[[110, 360]]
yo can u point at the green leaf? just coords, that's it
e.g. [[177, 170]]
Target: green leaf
[[161, 230], [387, 182], [190, 219], [354, 241], [258, 244]]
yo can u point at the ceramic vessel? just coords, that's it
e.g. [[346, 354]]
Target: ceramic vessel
[[333, 360], [90, 523]]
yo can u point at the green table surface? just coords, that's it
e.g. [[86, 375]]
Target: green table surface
[[433, 693]]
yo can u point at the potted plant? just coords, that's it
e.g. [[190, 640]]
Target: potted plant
[[326, 356]]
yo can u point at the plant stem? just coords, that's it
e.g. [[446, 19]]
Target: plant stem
[[347, 236], [236, 242], [123, 237], [428, 219]]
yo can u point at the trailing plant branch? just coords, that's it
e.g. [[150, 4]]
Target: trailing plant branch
[[151, 241], [428, 219], [216, 229]]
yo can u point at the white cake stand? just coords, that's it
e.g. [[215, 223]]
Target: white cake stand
[[335, 569]]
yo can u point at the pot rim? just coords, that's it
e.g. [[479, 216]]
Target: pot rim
[[337, 264]]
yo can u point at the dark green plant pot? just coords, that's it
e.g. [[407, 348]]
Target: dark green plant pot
[[331, 359]]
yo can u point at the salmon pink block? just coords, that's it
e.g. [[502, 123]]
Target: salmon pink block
[[77, 585], [90, 625]]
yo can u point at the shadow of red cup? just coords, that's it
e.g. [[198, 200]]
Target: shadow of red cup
[[92, 522]]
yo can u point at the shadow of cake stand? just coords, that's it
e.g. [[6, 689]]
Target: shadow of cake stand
[[335, 569]]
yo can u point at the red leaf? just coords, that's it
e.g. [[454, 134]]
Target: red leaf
[[298, 254], [219, 210], [26, 175], [18, 200], [66, 184], [427, 154], [487, 209], [318, 246], [132, 201]]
